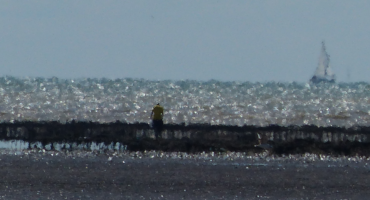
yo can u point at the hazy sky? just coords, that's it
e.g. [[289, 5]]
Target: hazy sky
[[184, 39]]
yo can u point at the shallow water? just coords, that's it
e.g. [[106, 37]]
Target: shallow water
[[118, 153], [20, 145]]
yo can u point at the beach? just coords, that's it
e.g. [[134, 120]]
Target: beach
[[86, 175]]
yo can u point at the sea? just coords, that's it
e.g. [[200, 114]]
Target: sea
[[212, 102], [185, 101]]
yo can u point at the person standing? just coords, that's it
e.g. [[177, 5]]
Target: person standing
[[157, 120]]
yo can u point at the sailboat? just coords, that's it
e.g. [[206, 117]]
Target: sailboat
[[323, 71]]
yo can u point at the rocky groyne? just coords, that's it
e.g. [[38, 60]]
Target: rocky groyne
[[196, 137]]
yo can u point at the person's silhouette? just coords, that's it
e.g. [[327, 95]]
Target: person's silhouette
[[157, 120]]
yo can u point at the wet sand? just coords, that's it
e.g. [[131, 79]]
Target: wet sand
[[62, 176]]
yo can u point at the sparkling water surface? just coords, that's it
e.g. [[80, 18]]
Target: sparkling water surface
[[187, 101], [213, 102]]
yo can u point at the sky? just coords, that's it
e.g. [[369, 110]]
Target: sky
[[236, 40]]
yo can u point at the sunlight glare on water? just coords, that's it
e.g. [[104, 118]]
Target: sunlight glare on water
[[213, 102]]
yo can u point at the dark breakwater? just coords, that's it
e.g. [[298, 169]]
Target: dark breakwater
[[197, 137]]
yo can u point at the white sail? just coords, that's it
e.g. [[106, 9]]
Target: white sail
[[323, 71]]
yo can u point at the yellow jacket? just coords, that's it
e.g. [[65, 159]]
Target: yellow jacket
[[158, 112]]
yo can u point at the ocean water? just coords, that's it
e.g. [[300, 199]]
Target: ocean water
[[213, 102]]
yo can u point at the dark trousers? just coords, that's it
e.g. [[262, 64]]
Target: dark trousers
[[157, 126]]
